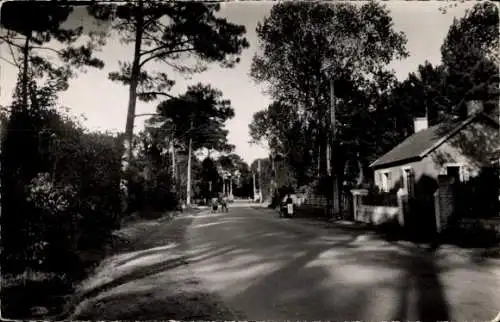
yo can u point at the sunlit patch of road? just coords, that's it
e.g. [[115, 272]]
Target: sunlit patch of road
[[267, 268]]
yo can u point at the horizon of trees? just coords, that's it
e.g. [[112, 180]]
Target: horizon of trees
[[373, 113]]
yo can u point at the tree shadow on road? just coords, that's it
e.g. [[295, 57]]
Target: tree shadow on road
[[291, 255], [277, 270], [420, 292], [423, 275], [300, 290]]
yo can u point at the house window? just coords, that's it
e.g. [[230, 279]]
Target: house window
[[456, 171], [453, 172], [408, 181], [386, 181]]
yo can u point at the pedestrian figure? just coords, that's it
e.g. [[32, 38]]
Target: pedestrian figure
[[289, 205], [225, 204], [214, 205]]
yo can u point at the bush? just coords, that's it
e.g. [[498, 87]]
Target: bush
[[478, 198], [61, 200], [21, 292], [61, 192], [377, 198], [157, 194]]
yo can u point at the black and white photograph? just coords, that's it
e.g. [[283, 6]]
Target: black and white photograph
[[250, 160]]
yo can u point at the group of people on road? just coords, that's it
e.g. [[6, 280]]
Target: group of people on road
[[219, 204]]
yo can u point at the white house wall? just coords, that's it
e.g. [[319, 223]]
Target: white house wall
[[449, 153]]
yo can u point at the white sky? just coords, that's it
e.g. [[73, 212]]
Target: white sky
[[104, 103]]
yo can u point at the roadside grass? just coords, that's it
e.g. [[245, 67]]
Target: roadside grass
[[147, 279], [38, 294]]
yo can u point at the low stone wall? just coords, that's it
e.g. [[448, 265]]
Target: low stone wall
[[376, 215]]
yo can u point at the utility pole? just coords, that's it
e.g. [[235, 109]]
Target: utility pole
[[254, 188], [260, 181]]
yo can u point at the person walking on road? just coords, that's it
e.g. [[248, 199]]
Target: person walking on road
[[214, 205], [224, 203], [289, 205]]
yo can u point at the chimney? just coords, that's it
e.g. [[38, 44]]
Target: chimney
[[473, 107], [420, 123]]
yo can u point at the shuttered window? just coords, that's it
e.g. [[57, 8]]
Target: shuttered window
[[385, 181]]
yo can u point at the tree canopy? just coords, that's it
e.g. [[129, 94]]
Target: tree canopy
[[470, 56], [469, 70], [199, 114], [28, 27], [184, 36], [303, 46], [165, 32], [300, 41]]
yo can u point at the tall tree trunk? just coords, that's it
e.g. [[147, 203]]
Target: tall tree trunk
[[134, 80], [340, 176], [188, 186], [332, 144], [328, 154], [25, 80], [319, 160], [24, 106]]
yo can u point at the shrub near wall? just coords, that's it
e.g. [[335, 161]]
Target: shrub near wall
[[61, 200], [478, 198], [377, 198]]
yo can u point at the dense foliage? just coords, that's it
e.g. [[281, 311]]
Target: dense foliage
[[317, 42], [183, 36], [60, 193], [374, 111], [375, 197], [61, 190]]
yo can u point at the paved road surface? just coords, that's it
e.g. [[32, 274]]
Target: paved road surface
[[264, 267], [248, 264]]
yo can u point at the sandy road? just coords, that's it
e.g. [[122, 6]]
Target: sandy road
[[267, 268]]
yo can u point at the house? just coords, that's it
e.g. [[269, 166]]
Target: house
[[459, 149]]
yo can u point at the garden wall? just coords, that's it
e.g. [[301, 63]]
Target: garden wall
[[376, 215]]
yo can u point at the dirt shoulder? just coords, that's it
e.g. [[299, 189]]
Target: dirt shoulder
[[148, 279]]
